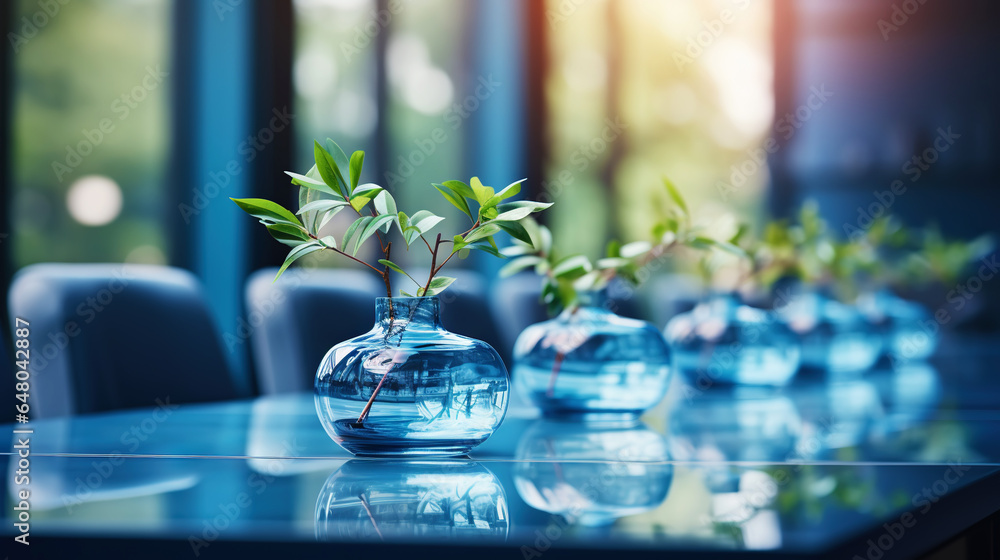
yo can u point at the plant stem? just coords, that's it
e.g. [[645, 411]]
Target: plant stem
[[385, 278], [368, 510], [434, 256]]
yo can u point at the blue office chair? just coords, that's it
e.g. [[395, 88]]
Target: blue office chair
[[112, 336], [302, 315]]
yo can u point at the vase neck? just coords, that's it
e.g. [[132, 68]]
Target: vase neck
[[414, 312], [592, 298]]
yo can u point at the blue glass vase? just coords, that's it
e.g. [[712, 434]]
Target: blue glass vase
[[909, 331], [835, 337], [724, 342], [592, 474], [589, 360], [403, 500], [410, 387]]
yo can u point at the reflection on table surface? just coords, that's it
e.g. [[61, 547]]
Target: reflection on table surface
[[803, 468]]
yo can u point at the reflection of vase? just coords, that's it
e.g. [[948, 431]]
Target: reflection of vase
[[385, 499], [590, 360], [839, 414], [738, 424], [592, 474], [835, 337], [409, 387], [723, 342], [908, 330]]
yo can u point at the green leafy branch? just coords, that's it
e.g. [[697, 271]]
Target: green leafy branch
[[333, 185], [565, 277]]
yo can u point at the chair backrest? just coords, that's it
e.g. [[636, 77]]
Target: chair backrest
[[113, 336], [307, 312], [302, 315]]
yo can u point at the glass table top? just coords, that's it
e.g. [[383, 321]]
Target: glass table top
[[822, 466]]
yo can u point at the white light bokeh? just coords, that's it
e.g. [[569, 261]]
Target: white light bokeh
[[94, 200]]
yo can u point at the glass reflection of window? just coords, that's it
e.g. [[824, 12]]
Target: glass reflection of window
[[90, 132]]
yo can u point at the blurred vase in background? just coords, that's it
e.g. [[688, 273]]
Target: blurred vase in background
[[835, 337], [385, 500], [410, 387], [590, 360], [722, 341], [592, 473], [908, 330]]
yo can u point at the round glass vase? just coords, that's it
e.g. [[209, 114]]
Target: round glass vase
[[410, 387], [835, 337], [590, 361], [723, 342]]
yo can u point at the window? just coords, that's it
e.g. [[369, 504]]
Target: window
[[90, 131]]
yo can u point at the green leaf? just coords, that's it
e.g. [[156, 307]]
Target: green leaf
[[485, 247], [519, 264], [634, 249], [357, 227], [572, 267], [424, 221], [457, 200], [405, 294], [482, 232], [329, 241], [482, 193], [321, 206], [327, 216], [266, 210], [438, 284], [392, 266], [614, 249], [297, 253], [363, 195], [328, 169], [510, 190], [357, 160], [373, 226], [515, 230], [288, 234], [385, 204], [675, 195], [457, 243], [513, 211], [310, 183], [342, 163], [461, 189]]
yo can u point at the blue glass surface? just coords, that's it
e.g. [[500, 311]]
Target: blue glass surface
[[835, 337], [909, 331], [386, 499], [723, 342], [589, 360], [409, 387], [592, 473]]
